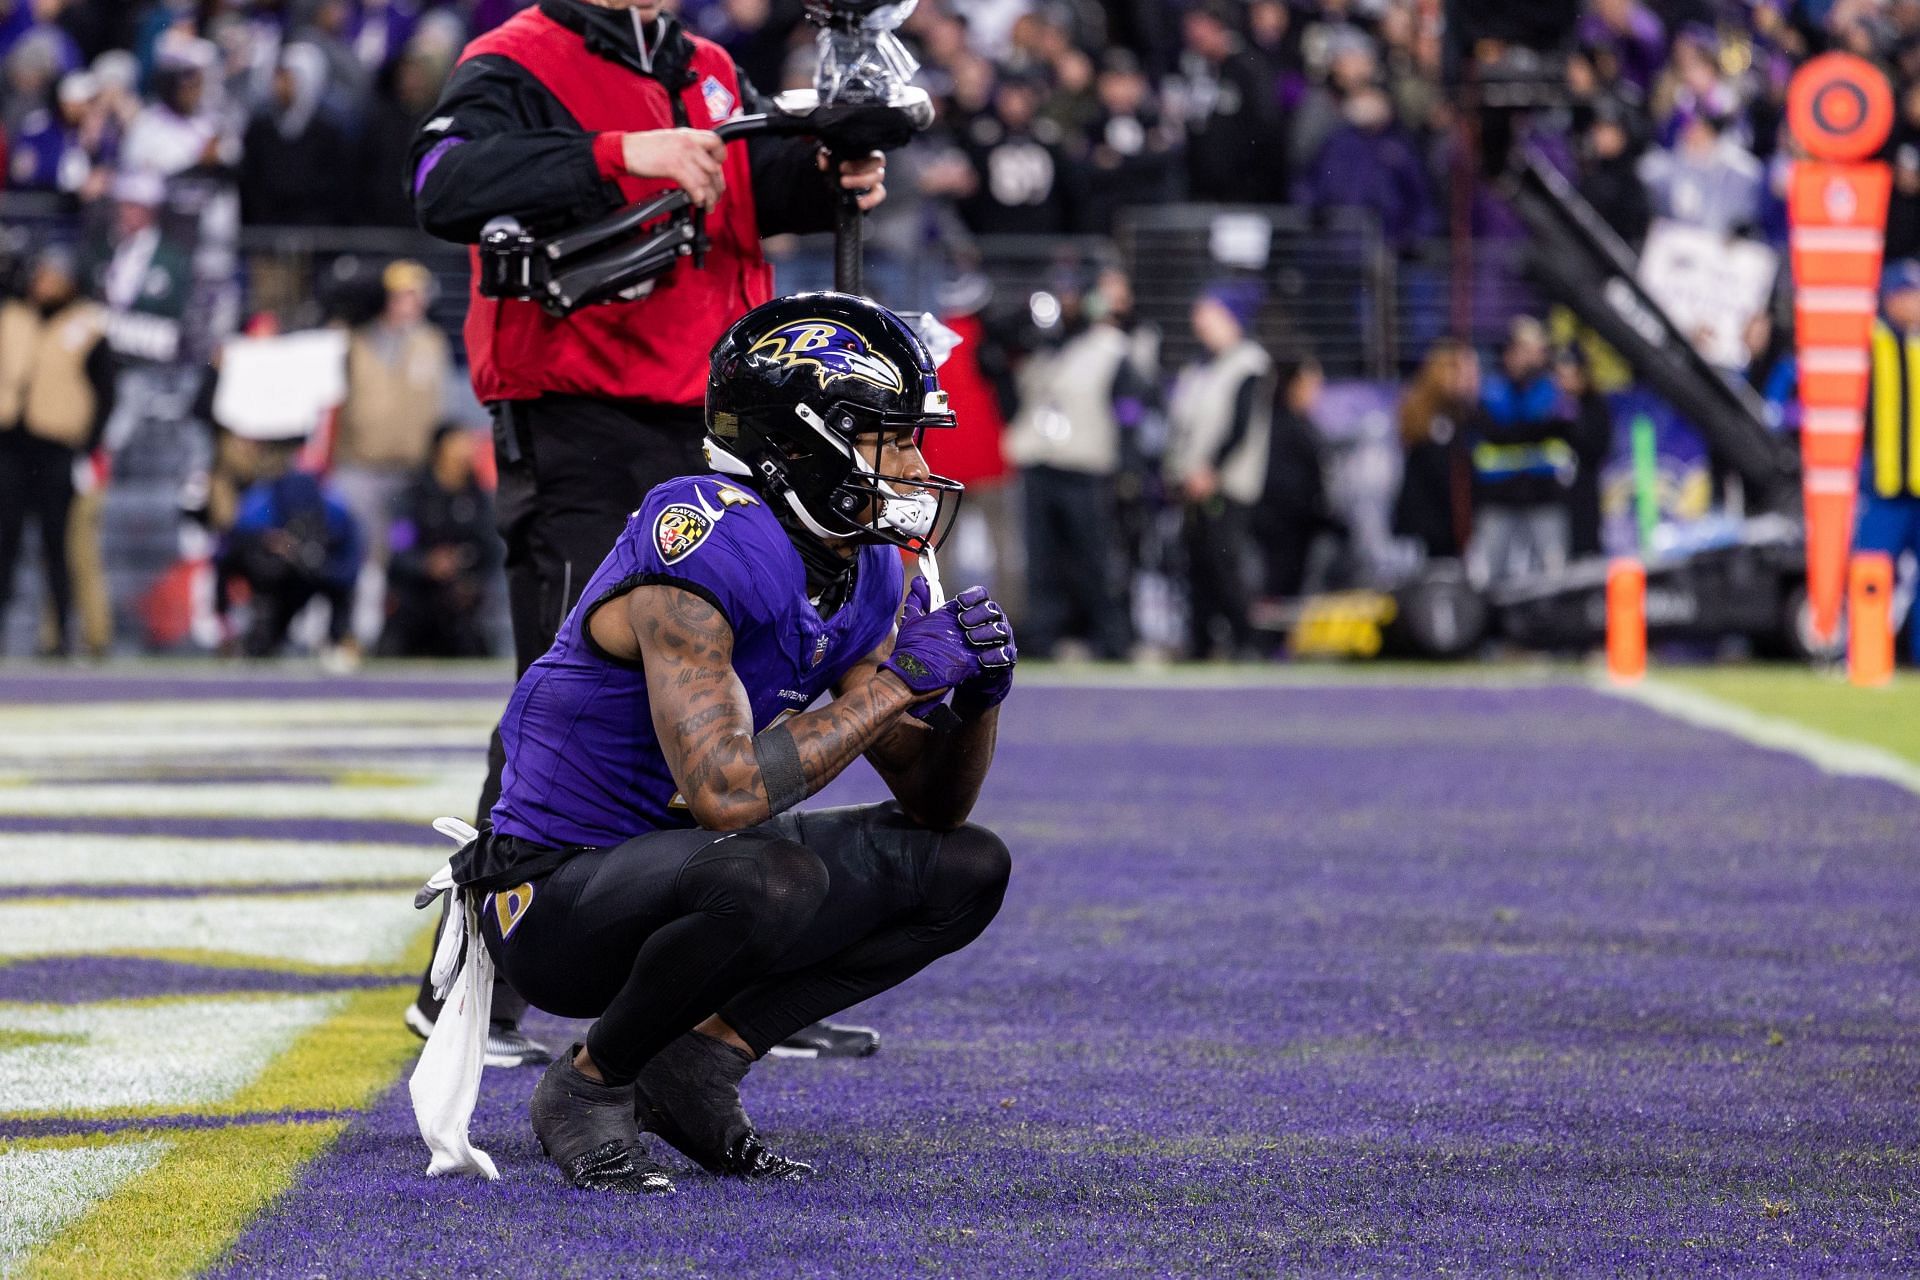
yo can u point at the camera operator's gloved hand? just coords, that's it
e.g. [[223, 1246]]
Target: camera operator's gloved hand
[[989, 632], [931, 653]]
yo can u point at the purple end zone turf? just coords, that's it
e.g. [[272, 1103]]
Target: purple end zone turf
[[1330, 981], [74, 979]]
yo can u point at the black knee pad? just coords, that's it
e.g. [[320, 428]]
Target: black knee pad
[[772, 885], [973, 865]]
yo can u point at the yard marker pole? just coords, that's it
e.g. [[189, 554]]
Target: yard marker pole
[[1840, 110]]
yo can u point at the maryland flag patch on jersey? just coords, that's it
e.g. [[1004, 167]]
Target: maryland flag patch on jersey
[[678, 530]]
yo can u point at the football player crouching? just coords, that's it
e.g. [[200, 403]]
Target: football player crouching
[[649, 864]]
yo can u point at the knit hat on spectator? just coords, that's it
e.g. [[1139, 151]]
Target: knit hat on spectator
[[1240, 299], [1899, 277]]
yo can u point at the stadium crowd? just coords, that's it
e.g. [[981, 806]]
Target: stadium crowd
[[165, 125]]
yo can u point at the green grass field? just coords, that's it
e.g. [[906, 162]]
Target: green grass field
[[1888, 718]]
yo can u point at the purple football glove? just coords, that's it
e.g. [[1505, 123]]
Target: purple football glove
[[931, 653], [989, 632]]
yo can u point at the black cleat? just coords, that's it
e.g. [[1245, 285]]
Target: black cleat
[[689, 1095], [749, 1158], [506, 1046], [825, 1040], [588, 1129]]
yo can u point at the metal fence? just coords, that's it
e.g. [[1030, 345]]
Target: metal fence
[[1333, 286]]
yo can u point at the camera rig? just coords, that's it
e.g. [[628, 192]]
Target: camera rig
[[622, 254]]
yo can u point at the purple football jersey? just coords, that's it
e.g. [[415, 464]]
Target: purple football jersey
[[583, 764]]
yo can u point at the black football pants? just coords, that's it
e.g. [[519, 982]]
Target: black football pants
[[572, 469], [775, 927]]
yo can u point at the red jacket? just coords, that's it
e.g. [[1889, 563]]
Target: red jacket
[[653, 349], [970, 451]]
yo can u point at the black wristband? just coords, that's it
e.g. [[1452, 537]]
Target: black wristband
[[778, 756]]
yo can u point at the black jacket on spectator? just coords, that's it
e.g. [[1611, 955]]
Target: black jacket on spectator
[[298, 181], [1234, 152], [1592, 439], [385, 144], [1903, 209], [526, 158], [1029, 185], [436, 614], [1132, 162], [1432, 485], [1616, 193], [1293, 506]]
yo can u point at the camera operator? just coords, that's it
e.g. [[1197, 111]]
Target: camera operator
[[569, 111]]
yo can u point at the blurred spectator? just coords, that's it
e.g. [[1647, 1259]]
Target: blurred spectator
[[444, 551], [86, 566], [1889, 520], [293, 541], [1773, 371], [176, 130], [1134, 155], [1068, 441], [1590, 435], [34, 64], [1293, 508], [985, 545], [1609, 176], [1369, 162], [411, 83], [1234, 151], [1351, 65], [56, 391], [329, 26], [1217, 460], [398, 366], [296, 168], [45, 138], [1631, 35], [1523, 465], [1027, 181], [1438, 414], [144, 274], [1903, 149], [1706, 180]]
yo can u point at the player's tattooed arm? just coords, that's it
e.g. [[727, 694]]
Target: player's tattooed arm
[[732, 779], [935, 775]]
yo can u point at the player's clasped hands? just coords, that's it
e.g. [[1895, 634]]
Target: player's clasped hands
[[965, 645], [991, 635], [690, 158]]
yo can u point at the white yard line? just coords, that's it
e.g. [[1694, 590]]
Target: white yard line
[[1833, 755], [42, 1191], [335, 929], [176, 1054], [62, 858], [419, 799]]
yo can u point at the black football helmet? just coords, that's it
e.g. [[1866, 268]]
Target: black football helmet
[[792, 384]]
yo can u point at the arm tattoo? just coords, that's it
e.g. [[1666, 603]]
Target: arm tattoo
[[704, 720]]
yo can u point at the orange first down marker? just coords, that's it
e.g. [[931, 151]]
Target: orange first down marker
[[1870, 619], [1626, 620]]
